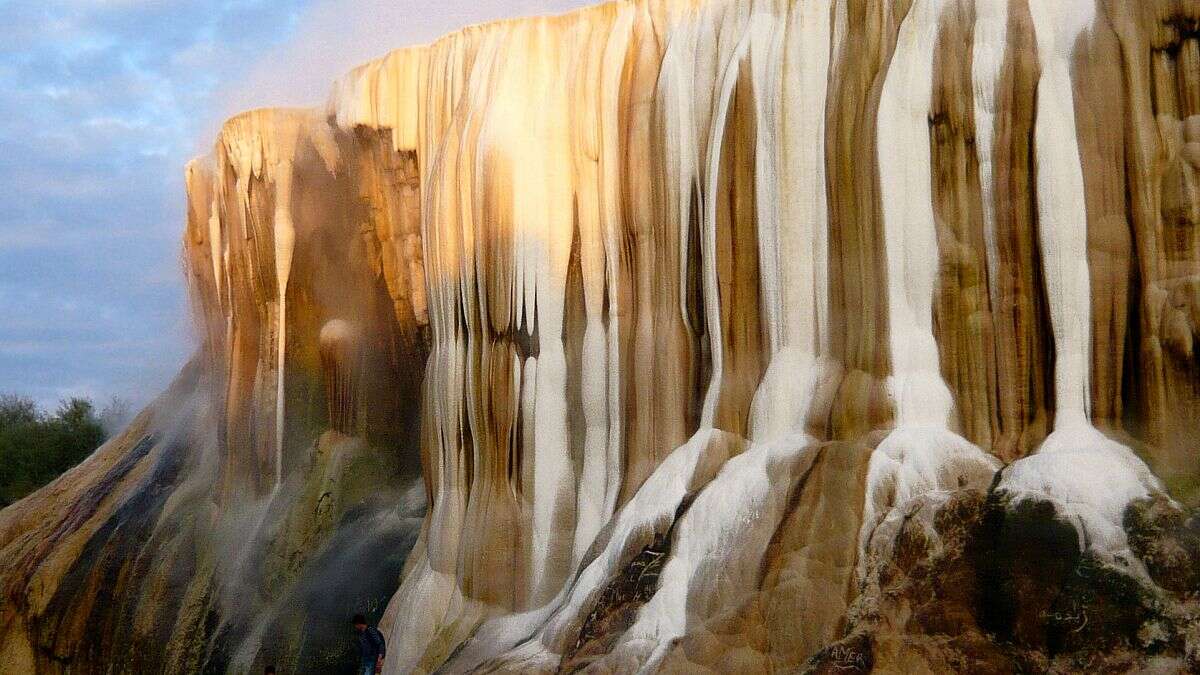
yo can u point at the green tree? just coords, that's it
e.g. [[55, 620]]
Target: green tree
[[17, 410], [35, 448]]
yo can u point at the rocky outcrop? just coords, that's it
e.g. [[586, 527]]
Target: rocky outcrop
[[975, 583], [276, 488], [738, 336]]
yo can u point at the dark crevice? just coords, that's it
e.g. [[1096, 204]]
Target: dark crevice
[[616, 608]]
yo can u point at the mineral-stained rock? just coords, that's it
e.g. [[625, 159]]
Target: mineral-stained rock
[[973, 583], [207, 536], [717, 335]]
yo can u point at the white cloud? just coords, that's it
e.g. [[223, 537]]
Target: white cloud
[[334, 36]]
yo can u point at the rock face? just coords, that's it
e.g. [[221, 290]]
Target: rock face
[[723, 336], [277, 486]]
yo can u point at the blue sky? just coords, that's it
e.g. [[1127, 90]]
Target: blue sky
[[101, 104]]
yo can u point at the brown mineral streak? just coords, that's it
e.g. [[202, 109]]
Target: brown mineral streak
[[962, 315], [742, 333], [1159, 390], [1100, 121], [1022, 346], [857, 272]]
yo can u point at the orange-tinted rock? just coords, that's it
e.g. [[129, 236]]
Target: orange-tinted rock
[[705, 323]]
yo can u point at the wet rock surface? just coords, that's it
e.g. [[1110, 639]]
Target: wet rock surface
[[975, 584]]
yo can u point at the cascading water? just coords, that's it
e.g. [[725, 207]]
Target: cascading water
[[1076, 454]]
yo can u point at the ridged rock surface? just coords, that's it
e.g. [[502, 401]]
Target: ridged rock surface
[[707, 335]]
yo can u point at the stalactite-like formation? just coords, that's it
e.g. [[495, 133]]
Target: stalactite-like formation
[[340, 364], [738, 331]]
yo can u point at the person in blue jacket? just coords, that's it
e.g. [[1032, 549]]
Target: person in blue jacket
[[371, 646]]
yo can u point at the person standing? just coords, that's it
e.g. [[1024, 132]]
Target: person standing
[[371, 646]]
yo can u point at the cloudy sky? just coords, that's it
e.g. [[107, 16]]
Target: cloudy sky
[[101, 104]]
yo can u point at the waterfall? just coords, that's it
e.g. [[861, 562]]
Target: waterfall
[[910, 235], [921, 454], [1076, 457], [1062, 214]]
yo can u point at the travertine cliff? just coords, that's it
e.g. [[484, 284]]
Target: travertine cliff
[[726, 336]]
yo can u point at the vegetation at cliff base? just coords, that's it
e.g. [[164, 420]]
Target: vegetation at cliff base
[[36, 447]]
